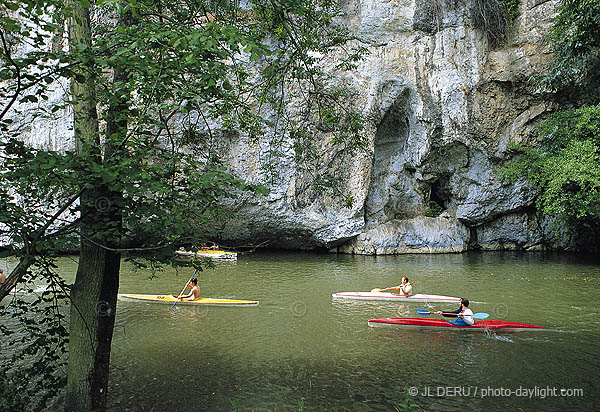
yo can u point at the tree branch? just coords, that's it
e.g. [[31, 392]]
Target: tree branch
[[18, 71]]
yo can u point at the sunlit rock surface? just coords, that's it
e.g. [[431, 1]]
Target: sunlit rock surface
[[443, 107]]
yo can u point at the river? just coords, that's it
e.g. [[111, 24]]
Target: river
[[300, 350]]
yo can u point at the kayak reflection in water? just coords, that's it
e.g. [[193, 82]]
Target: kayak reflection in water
[[464, 314], [194, 291], [404, 289]]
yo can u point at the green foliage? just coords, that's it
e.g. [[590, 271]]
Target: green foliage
[[433, 209], [510, 9], [33, 332], [566, 169], [210, 65], [407, 404], [579, 124], [575, 40], [12, 398]]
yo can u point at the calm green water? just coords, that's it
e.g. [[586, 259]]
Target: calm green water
[[300, 349]]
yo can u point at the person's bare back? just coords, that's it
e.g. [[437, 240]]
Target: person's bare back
[[194, 291]]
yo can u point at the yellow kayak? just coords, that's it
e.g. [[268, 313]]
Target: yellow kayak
[[171, 299]]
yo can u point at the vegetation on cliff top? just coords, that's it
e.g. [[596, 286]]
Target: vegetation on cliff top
[[565, 169], [496, 18]]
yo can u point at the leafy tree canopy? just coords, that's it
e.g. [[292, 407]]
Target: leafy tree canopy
[[189, 70], [575, 41], [565, 169]]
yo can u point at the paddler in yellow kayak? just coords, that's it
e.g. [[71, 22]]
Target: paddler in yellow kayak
[[194, 291], [404, 289]]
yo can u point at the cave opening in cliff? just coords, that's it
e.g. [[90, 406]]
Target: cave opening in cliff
[[439, 197]]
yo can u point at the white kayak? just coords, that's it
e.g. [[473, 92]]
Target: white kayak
[[211, 254], [387, 296]]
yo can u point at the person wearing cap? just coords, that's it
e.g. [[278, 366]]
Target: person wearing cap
[[463, 313]]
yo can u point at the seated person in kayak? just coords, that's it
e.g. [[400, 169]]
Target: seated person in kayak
[[464, 314], [404, 289], [194, 291]]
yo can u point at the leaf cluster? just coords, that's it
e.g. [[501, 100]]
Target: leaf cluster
[[138, 184], [575, 41], [565, 169], [34, 353]]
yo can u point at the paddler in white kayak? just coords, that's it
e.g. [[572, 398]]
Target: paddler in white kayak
[[194, 291], [404, 289], [463, 313]]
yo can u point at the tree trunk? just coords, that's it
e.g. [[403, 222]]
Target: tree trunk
[[94, 293], [93, 304]]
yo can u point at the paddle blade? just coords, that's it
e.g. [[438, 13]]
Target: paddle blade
[[480, 315], [423, 312], [376, 290]]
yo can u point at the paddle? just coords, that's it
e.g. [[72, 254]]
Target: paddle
[[186, 283], [377, 290], [478, 315]]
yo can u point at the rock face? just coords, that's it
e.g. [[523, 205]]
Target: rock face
[[442, 105]]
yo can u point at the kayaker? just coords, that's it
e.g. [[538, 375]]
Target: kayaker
[[2, 276], [464, 314], [194, 291], [404, 289]]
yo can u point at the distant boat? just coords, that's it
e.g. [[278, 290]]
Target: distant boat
[[208, 253]]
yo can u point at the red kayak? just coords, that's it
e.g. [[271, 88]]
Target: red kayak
[[481, 326]]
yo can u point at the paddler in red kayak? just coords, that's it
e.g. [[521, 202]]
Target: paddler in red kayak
[[404, 289], [463, 313]]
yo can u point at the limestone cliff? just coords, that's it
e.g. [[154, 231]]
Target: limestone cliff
[[442, 105]]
